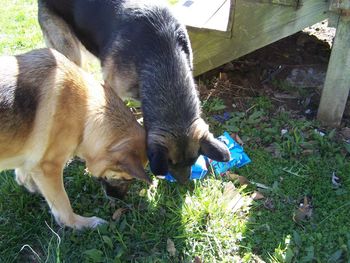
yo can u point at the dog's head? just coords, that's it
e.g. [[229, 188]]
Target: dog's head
[[176, 154], [121, 163]]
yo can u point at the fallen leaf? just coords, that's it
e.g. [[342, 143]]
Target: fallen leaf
[[237, 138], [243, 180], [268, 204], [231, 199], [304, 210], [257, 196], [197, 260], [170, 247], [119, 212], [223, 76], [232, 176]]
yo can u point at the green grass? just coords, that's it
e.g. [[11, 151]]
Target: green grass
[[198, 218]]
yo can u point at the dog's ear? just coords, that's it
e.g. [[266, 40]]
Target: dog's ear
[[214, 149], [185, 44], [158, 159], [135, 169]]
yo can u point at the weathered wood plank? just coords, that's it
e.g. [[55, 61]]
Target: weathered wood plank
[[255, 25], [206, 14], [337, 83], [282, 2], [340, 5]]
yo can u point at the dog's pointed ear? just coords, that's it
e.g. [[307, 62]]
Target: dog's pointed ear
[[214, 149], [158, 159], [135, 169]]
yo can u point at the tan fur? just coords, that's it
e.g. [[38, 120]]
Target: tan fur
[[198, 131], [75, 116], [59, 35]]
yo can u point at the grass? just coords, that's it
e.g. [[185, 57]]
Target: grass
[[202, 219]]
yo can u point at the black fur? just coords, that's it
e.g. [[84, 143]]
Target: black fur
[[147, 40], [19, 101], [158, 159], [214, 149]]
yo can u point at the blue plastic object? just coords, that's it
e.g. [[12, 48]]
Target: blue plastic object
[[238, 159], [238, 156]]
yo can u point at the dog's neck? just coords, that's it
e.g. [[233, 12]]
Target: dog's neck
[[108, 121]]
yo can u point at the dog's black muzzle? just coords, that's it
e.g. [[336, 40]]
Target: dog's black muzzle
[[115, 188], [181, 174]]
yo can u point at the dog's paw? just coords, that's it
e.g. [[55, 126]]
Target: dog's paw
[[81, 222]]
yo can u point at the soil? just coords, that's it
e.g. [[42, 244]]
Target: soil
[[291, 72]]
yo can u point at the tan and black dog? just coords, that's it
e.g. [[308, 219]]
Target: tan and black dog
[[145, 53], [50, 110]]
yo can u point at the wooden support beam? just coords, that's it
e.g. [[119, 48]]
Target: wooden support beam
[[337, 84]]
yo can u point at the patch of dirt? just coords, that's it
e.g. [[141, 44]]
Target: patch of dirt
[[290, 72]]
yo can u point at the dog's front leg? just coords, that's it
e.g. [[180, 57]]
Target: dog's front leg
[[49, 180], [24, 178]]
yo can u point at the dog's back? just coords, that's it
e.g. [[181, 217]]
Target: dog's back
[[20, 96], [30, 87]]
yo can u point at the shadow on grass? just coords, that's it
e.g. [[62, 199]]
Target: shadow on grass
[[193, 218], [139, 235]]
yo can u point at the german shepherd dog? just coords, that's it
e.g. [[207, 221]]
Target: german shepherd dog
[[145, 54], [50, 110]]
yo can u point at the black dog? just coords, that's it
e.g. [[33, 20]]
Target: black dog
[[145, 53]]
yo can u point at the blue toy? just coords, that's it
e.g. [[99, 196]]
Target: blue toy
[[238, 159]]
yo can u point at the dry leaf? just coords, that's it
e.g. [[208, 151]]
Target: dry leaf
[[170, 247], [304, 210], [223, 76], [118, 213], [197, 260], [231, 199], [268, 204], [257, 196], [232, 176], [237, 138], [243, 180]]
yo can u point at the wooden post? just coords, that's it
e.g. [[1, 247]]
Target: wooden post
[[337, 84]]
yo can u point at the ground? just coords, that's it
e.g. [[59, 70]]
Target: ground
[[299, 174]]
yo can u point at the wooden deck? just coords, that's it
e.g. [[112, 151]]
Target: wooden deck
[[223, 30]]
